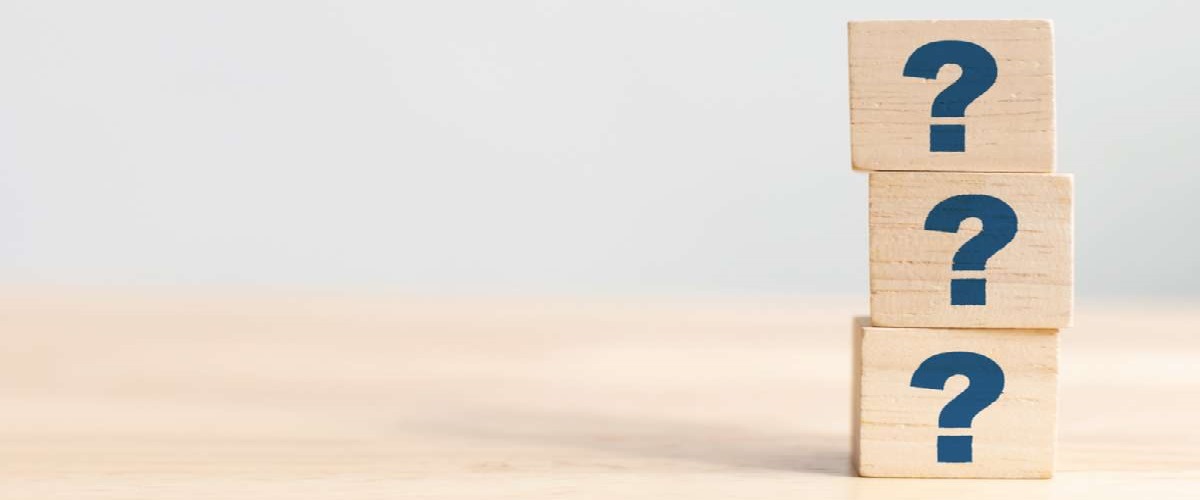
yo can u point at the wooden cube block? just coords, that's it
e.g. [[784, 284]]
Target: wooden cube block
[[955, 403], [964, 96], [971, 250]]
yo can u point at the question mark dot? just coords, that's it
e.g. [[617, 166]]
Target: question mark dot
[[947, 138], [968, 292], [954, 449]]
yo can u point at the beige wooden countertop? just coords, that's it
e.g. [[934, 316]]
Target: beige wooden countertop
[[312, 397]]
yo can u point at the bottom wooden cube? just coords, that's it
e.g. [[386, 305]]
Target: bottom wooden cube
[[965, 403]]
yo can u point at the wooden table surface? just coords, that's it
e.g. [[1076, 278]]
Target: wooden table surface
[[174, 396]]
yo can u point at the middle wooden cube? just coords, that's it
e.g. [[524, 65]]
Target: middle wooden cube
[[970, 250]]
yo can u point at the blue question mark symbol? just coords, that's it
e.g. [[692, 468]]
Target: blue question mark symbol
[[978, 75], [986, 383], [999, 227]]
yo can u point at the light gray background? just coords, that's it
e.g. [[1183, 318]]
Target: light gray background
[[531, 147]]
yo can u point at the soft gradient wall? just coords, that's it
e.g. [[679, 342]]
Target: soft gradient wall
[[531, 147]]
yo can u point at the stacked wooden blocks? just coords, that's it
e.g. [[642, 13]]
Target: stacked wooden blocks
[[971, 258]]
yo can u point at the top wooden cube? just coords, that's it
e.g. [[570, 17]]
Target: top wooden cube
[[964, 96]]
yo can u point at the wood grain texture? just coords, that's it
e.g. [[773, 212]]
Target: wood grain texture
[[169, 396], [1010, 128], [897, 425], [1029, 282]]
